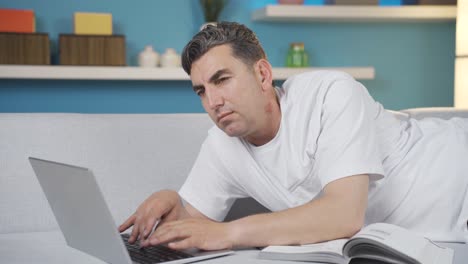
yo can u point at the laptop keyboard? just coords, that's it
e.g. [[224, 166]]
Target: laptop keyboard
[[154, 254]]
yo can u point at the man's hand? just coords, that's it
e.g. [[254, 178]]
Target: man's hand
[[194, 232], [162, 206]]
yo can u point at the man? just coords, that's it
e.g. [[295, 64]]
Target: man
[[320, 153]]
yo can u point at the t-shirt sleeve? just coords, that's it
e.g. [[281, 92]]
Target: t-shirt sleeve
[[208, 188], [347, 143]]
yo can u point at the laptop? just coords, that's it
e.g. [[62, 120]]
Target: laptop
[[87, 224]]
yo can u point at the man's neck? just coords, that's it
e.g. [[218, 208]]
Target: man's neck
[[271, 124]]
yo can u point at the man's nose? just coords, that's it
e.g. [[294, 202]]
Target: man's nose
[[214, 98]]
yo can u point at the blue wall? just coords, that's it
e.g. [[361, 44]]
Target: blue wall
[[413, 61]]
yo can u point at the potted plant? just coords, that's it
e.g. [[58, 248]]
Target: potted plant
[[211, 10]]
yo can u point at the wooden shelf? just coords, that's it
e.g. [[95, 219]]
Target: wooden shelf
[[305, 13], [137, 73], [91, 73]]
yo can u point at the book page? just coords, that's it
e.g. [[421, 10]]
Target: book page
[[397, 241], [434, 253], [333, 246], [326, 252]]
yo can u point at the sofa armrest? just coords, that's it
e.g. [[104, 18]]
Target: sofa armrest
[[440, 112]]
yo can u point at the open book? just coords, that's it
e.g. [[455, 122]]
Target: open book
[[384, 243]]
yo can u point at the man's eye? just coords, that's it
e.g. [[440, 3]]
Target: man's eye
[[221, 80], [200, 92]]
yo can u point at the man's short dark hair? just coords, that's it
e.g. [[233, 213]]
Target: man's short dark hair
[[243, 42]]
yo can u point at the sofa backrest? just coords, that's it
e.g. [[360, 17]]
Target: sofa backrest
[[438, 112], [131, 155]]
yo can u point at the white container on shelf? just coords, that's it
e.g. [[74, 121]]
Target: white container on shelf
[[148, 58], [170, 58]]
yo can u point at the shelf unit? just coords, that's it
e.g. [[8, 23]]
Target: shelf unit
[[306, 13], [142, 74]]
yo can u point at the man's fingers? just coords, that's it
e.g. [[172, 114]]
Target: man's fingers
[[135, 230], [146, 227], [150, 226], [156, 207], [183, 244], [168, 235], [128, 223]]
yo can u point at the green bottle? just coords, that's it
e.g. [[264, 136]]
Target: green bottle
[[297, 56]]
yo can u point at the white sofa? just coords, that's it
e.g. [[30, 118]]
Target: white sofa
[[131, 155]]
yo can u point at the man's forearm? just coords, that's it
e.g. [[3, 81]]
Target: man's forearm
[[310, 223], [337, 214]]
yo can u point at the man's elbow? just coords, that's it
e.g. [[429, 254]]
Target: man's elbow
[[352, 229], [353, 224]]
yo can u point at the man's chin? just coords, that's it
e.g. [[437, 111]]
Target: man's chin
[[231, 134], [231, 131]]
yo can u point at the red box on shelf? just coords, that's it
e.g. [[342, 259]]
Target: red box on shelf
[[18, 21]]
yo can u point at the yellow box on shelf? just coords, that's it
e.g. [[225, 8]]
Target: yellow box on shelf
[[93, 23]]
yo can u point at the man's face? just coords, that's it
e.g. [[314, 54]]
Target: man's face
[[229, 90]]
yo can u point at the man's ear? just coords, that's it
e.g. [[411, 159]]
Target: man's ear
[[265, 73]]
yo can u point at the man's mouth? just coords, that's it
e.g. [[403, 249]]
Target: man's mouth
[[223, 115]]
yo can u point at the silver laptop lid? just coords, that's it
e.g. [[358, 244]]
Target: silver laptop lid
[[80, 210], [83, 215]]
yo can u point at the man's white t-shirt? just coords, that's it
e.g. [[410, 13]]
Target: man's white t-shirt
[[331, 128]]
